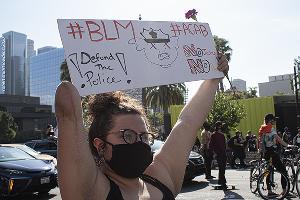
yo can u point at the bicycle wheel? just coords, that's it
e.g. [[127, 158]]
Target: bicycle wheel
[[254, 174], [292, 175], [298, 181], [270, 187]]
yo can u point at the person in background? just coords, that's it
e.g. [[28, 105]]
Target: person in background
[[208, 155], [252, 144], [286, 136], [217, 145], [238, 150], [248, 136], [296, 139]]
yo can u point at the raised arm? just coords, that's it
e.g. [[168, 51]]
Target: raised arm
[[76, 167], [175, 152]]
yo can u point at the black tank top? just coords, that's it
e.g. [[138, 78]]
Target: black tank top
[[115, 192]]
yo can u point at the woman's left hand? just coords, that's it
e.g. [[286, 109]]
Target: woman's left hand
[[223, 63]]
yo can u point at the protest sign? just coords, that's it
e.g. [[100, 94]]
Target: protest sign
[[109, 55]]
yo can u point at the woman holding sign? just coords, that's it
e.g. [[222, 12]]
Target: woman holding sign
[[114, 160]]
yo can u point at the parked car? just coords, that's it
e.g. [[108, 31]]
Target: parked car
[[34, 153], [44, 146], [195, 165], [22, 173]]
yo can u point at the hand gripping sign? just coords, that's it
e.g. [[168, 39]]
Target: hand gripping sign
[[109, 55]]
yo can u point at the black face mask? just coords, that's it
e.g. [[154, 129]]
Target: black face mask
[[130, 160]]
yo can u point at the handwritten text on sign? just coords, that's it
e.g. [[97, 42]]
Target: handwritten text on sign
[[108, 55]]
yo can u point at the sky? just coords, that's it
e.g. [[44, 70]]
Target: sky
[[264, 34]]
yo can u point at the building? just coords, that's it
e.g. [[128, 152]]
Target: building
[[277, 85], [239, 85], [45, 49], [27, 112], [30, 52], [2, 64], [45, 74], [16, 77]]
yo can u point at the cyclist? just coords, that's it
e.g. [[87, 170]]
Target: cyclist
[[268, 140]]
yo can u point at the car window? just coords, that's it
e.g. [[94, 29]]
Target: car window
[[41, 146], [11, 153], [52, 146]]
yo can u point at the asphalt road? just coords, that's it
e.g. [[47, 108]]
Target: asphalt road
[[199, 188]]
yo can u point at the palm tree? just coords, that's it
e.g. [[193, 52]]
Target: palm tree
[[64, 72], [163, 97], [223, 47]]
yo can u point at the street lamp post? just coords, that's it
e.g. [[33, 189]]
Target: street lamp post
[[296, 71]]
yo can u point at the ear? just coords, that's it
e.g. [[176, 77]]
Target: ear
[[98, 143]]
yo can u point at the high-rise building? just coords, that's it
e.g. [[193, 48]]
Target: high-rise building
[[45, 74], [2, 65], [45, 49], [16, 66], [30, 52], [239, 85]]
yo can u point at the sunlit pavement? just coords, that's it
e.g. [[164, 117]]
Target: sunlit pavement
[[200, 188]]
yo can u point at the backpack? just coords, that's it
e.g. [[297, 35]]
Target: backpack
[[230, 142]]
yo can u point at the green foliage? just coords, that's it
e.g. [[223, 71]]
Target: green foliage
[[223, 47], [227, 110], [251, 93], [64, 72], [8, 127], [155, 120], [165, 95]]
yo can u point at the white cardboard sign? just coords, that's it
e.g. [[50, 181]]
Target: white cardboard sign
[[109, 55]]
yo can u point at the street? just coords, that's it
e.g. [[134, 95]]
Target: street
[[197, 189]]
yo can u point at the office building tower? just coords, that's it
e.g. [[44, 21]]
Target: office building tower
[[45, 75], [45, 49], [30, 52], [16, 66], [2, 64]]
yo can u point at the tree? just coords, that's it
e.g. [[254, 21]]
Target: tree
[[64, 72], [223, 47], [227, 110], [8, 127], [163, 97]]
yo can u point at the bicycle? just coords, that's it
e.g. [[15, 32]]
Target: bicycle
[[269, 183], [290, 160], [255, 171], [297, 180]]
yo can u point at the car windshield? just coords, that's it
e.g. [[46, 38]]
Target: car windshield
[[11, 153], [28, 150]]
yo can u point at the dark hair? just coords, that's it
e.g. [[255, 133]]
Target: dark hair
[[103, 107], [269, 117], [218, 125], [206, 126]]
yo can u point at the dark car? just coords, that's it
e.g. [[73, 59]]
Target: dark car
[[194, 167], [45, 146], [22, 173]]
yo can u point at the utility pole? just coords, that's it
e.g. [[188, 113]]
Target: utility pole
[[296, 73]]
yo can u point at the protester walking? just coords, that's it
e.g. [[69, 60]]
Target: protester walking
[[217, 145]]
